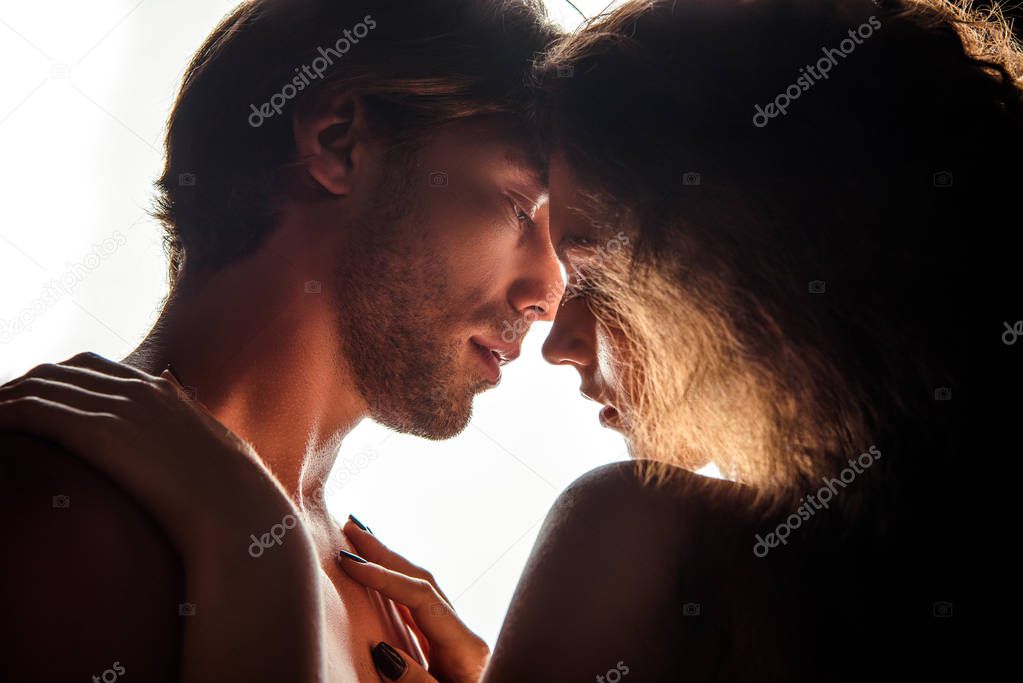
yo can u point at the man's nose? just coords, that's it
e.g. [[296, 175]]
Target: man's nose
[[538, 290]]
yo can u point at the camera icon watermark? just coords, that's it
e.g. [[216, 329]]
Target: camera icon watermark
[[566, 71], [438, 179], [942, 394], [187, 179], [691, 178], [816, 287], [942, 179], [439, 395], [186, 609], [61, 501], [62, 71], [312, 287], [943, 609], [691, 609], [439, 609]]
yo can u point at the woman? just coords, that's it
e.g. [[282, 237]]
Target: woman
[[764, 209], [814, 267]]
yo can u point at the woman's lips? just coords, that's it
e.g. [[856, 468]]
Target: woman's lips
[[609, 417]]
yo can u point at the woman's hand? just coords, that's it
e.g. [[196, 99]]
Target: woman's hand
[[143, 432], [261, 613], [455, 654]]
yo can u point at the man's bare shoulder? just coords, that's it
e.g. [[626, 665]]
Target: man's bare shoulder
[[89, 578]]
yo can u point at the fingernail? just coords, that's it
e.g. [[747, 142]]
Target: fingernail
[[345, 555], [360, 524], [388, 661]]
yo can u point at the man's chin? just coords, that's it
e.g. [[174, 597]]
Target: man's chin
[[434, 429], [435, 422]]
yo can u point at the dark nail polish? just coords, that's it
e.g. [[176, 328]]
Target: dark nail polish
[[388, 661], [345, 555], [360, 524]]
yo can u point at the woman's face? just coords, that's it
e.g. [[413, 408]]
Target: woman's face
[[578, 338]]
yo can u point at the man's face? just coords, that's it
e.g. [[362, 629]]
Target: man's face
[[452, 264]]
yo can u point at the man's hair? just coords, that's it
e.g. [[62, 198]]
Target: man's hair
[[415, 65], [804, 289]]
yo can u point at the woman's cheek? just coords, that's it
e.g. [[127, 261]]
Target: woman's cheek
[[612, 360]]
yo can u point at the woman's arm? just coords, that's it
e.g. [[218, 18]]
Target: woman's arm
[[88, 580], [257, 616]]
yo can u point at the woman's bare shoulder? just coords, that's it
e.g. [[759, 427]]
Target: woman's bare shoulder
[[609, 579], [675, 507], [88, 569]]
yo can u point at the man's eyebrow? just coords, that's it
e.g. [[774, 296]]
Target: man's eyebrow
[[531, 163], [527, 171]]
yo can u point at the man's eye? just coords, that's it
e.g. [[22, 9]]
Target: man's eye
[[520, 215]]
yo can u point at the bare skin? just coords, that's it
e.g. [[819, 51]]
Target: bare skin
[[662, 582], [605, 593], [264, 358]]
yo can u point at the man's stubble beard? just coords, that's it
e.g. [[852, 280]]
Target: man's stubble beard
[[392, 301]]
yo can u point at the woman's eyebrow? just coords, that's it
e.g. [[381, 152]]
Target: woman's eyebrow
[[573, 241]]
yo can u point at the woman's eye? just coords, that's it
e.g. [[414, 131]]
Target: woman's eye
[[577, 288]]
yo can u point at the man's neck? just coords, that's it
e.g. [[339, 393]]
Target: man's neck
[[262, 357]]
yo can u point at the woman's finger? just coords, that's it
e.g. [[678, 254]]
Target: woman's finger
[[395, 665], [438, 621], [123, 383], [77, 396], [85, 378], [410, 621], [371, 547], [72, 428], [98, 363], [362, 538]]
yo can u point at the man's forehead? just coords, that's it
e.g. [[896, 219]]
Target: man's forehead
[[513, 143]]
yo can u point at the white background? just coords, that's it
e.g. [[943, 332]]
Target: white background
[[87, 87]]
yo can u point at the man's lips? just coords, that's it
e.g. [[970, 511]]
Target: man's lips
[[494, 354]]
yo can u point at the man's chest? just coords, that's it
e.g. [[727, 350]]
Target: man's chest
[[356, 617]]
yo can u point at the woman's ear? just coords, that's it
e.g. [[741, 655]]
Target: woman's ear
[[331, 140]]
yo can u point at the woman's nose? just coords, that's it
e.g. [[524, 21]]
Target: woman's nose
[[572, 339]]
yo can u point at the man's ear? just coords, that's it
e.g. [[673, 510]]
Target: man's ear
[[331, 140]]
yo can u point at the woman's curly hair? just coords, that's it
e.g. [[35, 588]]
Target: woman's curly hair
[[802, 290]]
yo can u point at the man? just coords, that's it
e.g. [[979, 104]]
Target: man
[[354, 214]]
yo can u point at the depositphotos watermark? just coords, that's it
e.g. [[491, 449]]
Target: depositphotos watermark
[[111, 674], [1012, 332], [344, 471], [54, 290], [272, 537], [615, 673], [307, 73], [823, 496], [809, 76]]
